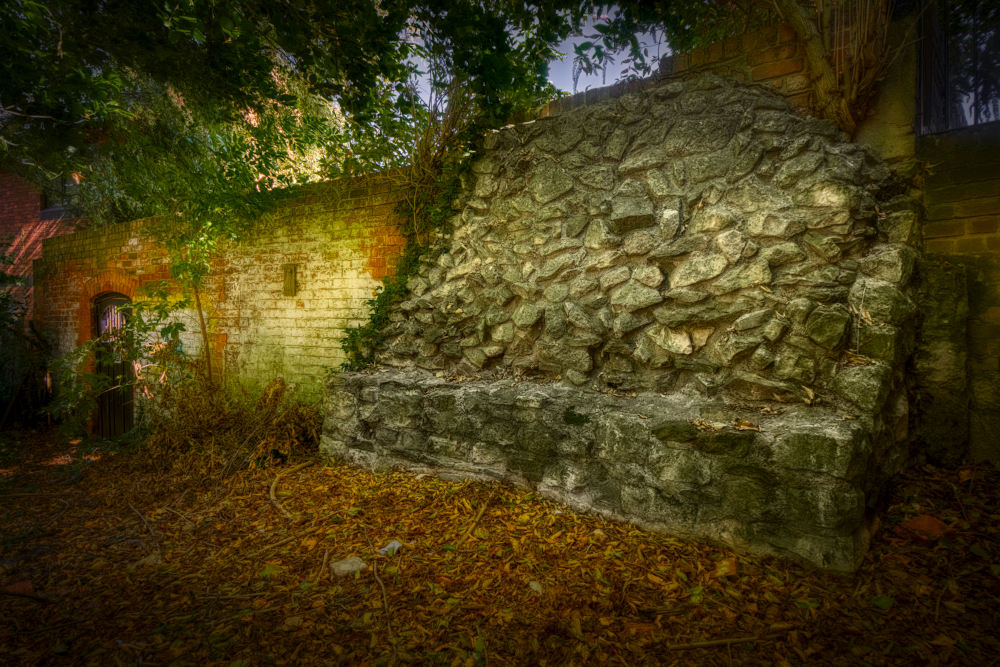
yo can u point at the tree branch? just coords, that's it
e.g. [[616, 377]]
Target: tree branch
[[830, 101]]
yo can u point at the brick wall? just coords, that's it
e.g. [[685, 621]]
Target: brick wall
[[773, 57], [21, 226], [962, 200], [342, 237]]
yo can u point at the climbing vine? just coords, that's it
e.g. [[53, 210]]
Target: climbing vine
[[428, 211], [443, 131]]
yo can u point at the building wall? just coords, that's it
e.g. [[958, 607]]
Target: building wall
[[22, 227], [774, 58], [342, 236], [963, 211]]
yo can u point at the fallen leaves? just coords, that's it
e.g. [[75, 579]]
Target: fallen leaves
[[924, 529], [487, 573]]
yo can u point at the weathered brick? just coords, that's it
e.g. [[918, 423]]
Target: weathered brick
[[977, 207], [776, 69], [935, 230], [940, 246], [982, 225], [970, 245], [733, 47], [782, 52], [715, 52]]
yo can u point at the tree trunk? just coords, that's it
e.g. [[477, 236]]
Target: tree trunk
[[830, 100], [204, 333]]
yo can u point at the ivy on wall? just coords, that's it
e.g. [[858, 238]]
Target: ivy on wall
[[429, 210]]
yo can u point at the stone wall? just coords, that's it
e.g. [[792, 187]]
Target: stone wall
[[773, 58], [342, 237], [695, 241], [963, 240], [792, 482]]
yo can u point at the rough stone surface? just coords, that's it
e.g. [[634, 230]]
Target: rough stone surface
[[697, 269], [865, 386], [663, 254], [797, 488], [347, 567]]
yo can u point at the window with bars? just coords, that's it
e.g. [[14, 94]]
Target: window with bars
[[959, 65]]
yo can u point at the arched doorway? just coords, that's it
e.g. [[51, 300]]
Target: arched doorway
[[117, 407]]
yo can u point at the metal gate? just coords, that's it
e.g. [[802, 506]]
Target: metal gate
[[116, 405]]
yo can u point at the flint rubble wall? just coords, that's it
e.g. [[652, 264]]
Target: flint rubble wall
[[695, 245]]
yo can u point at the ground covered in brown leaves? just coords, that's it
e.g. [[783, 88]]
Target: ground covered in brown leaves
[[116, 560]]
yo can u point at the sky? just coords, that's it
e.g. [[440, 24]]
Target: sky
[[561, 72]]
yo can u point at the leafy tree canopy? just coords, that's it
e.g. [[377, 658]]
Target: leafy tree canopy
[[206, 111], [212, 108], [72, 68]]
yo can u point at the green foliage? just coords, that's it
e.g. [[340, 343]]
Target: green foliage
[[148, 341], [682, 24], [207, 113], [430, 211]]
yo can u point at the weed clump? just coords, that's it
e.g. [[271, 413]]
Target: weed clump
[[200, 433]]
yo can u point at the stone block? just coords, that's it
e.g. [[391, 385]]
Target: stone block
[[634, 296], [827, 326], [890, 263], [883, 300], [865, 386], [630, 213], [698, 268]]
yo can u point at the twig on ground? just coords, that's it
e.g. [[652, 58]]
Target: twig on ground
[[34, 495], [26, 595], [385, 598], [151, 533], [38, 536], [482, 510], [718, 642], [180, 514], [322, 568], [961, 505], [51, 627], [937, 605], [307, 531], [274, 484]]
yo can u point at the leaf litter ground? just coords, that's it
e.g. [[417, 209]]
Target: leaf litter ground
[[117, 561]]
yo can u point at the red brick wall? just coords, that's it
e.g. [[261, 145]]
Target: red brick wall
[[343, 237], [21, 226]]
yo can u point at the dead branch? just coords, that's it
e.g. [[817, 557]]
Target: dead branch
[[322, 568], [274, 483], [292, 538], [718, 642], [143, 519], [475, 521], [26, 595]]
